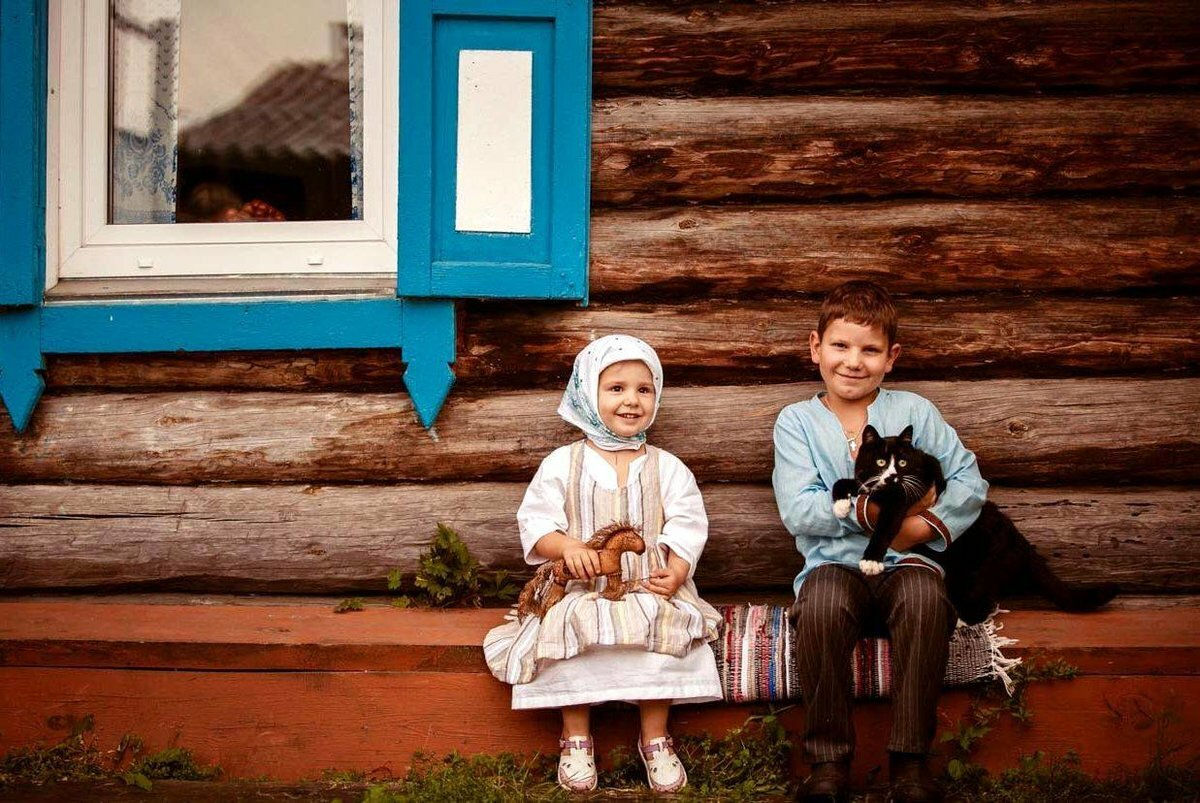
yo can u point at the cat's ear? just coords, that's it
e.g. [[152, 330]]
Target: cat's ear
[[906, 434], [869, 434]]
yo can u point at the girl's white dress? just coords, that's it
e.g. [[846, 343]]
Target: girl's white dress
[[590, 650]]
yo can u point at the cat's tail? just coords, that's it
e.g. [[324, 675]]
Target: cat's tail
[[1069, 597]]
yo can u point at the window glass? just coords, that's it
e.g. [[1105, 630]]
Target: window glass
[[235, 110]]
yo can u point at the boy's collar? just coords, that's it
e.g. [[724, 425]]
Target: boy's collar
[[880, 392]]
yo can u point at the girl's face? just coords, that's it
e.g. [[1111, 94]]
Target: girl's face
[[626, 397]]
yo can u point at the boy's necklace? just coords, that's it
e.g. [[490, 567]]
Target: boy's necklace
[[852, 437]]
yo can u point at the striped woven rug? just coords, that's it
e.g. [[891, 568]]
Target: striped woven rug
[[757, 663]]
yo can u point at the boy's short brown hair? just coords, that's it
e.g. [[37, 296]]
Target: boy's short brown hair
[[863, 302]]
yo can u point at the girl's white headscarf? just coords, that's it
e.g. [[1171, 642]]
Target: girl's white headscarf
[[579, 405]]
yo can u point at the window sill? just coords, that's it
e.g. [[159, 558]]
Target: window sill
[[225, 287]]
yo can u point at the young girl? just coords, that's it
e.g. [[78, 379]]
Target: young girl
[[650, 647]]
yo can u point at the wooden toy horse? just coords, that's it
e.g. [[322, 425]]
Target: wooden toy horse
[[549, 583]]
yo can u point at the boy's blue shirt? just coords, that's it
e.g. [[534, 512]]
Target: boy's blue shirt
[[811, 455]]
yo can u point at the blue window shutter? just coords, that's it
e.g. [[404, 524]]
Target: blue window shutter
[[436, 259], [22, 150], [22, 204]]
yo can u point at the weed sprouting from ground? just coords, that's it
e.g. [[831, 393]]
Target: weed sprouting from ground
[[73, 759], [988, 704], [1038, 778], [77, 758], [174, 763]]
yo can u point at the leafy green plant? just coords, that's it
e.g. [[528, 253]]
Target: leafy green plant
[[173, 763], [350, 605], [1037, 779], [449, 575], [986, 707], [73, 759]]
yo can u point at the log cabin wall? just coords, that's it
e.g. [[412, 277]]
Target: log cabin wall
[[1023, 176]]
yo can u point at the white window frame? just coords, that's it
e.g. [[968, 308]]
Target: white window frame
[[81, 244]]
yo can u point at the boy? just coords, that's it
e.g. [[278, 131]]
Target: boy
[[815, 444]]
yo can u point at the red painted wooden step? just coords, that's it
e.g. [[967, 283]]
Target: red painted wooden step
[[288, 688]]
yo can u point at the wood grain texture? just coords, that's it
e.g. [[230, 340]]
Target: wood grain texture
[[1048, 432], [36, 632], [289, 725], [708, 48], [309, 539], [652, 152], [923, 248], [765, 341], [515, 345], [321, 369]]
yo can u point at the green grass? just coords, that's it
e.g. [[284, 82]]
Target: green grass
[[749, 763], [1037, 779]]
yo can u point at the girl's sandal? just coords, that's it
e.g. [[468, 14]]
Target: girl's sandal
[[577, 764], [664, 770]]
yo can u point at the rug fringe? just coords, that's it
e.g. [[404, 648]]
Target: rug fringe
[[1000, 663]]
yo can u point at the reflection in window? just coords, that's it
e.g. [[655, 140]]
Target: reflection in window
[[228, 111]]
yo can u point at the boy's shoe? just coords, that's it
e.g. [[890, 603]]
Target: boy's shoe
[[664, 770], [911, 780], [829, 782], [577, 764]]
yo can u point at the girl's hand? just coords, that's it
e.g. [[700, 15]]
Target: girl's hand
[[663, 582], [666, 581], [582, 561]]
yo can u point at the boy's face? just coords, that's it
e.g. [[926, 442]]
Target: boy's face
[[853, 358], [626, 397]]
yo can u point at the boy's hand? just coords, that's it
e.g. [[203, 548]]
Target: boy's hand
[[924, 503], [582, 561], [920, 506], [914, 530]]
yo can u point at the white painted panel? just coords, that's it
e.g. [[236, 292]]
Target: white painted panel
[[495, 141]]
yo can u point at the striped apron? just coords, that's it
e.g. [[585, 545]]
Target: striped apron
[[583, 620]]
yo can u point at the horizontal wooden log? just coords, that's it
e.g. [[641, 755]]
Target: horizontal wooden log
[[662, 151], [516, 346], [1089, 246], [376, 369], [763, 341], [1043, 432], [711, 47], [308, 539]]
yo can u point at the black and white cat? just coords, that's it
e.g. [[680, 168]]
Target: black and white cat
[[989, 560]]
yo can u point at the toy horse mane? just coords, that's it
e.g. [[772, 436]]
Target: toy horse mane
[[603, 536]]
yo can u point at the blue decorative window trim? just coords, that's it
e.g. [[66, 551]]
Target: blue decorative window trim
[[551, 260], [436, 263]]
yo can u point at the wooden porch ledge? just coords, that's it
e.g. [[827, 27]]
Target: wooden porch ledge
[[1135, 635], [287, 688]]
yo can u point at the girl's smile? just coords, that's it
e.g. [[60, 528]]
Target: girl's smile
[[625, 398]]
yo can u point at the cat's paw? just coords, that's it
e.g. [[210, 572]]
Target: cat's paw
[[841, 508], [870, 567]]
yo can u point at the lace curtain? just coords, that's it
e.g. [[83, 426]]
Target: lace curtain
[[145, 109], [145, 70], [354, 49]]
